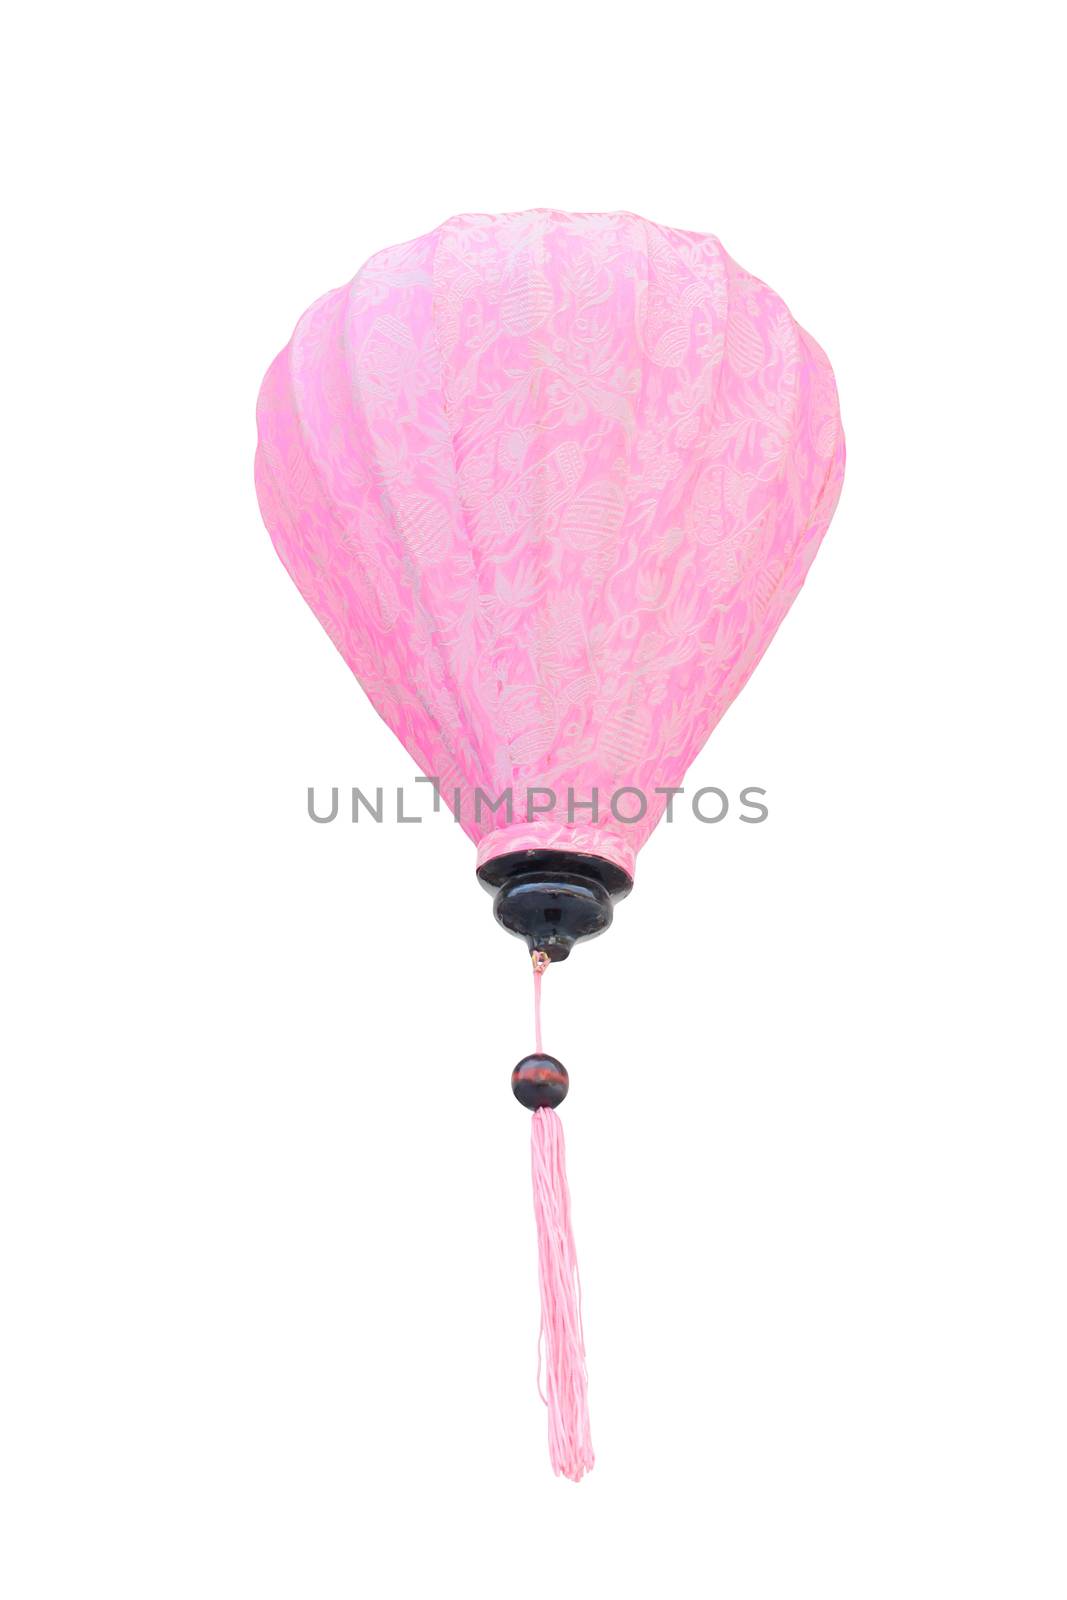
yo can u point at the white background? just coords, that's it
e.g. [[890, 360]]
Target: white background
[[268, 1270]]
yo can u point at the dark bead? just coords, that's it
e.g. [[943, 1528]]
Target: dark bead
[[539, 1081]]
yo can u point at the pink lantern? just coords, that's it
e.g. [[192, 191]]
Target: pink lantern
[[550, 482]]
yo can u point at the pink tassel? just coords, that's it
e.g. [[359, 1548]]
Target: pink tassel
[[561, 1345]]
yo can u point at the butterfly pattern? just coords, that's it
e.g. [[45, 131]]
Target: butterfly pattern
[[550, 481]]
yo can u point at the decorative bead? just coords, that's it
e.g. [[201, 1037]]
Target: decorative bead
[[539, 1081]]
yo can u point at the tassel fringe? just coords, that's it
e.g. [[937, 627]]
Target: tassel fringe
[[561, 1348]]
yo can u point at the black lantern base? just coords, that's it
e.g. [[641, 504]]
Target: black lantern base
[[554, 898]]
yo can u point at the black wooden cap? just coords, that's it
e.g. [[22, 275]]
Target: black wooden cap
[[554, 898]]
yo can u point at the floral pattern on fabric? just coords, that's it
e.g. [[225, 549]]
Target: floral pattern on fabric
[[550, 482]]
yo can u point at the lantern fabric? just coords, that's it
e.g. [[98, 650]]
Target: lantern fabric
[[550, 482]]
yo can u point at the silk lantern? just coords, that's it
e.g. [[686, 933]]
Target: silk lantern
[[550, 482]]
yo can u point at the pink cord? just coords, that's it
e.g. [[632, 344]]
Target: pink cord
[[537, 972]]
